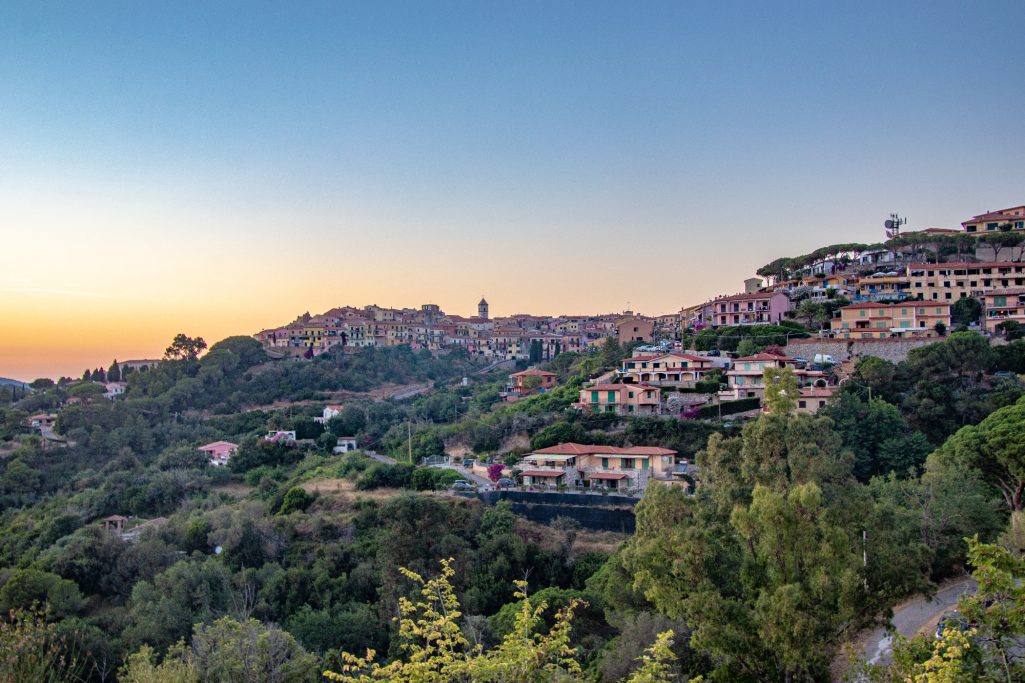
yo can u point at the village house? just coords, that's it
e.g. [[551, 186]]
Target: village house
[[345, 444], [812, 399], [670, 369], [868, 320], [621, 399], [633, 329], [113, 390], [220, 452], [600, 467], [283, 437], [329, 412], [42, 421], [757, 308], [529, 382], [746, 378], [991, 221], [1000, 305]]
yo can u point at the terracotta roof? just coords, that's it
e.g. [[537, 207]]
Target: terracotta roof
[[606, 475], [582, 449], [533, 371], [1005, 292], [1002, 213], [964, 264], [616, 387], [764, 356], [816, 392], [217, 445], [743, 297]]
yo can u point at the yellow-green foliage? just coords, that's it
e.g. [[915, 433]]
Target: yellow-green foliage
[[436, 651]]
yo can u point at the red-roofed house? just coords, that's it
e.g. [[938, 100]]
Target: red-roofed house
[[606, 467], [523, 384], [992, 220], [671, 369], [746, 378], [1003, 304], [757, 308], [621, 399], [878, 320], [220, 452]]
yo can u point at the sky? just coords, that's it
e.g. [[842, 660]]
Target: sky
[[219, 168]]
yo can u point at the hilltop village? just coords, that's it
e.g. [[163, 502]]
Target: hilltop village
[[855, 411]]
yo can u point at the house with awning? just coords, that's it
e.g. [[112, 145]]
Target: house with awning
[[598, 467]]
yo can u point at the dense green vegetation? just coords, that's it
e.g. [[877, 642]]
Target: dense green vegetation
[[803, 529]]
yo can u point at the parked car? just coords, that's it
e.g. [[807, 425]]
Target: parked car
[[462, 485], [468, 462], [505, 483], [952, 620], [713, 352]]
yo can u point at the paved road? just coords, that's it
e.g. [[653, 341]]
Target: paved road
[[483, 482], [912, 616]]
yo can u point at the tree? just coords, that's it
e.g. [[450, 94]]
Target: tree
[[87, 376], [965, 311], [1011, 329], [940, 328], [31, 650], [250, 652], [184, 348], [141, 667], [114, 373], [986, 647], [747, 347], [765, 564], [878, 435], [995, 448], [781, 391]]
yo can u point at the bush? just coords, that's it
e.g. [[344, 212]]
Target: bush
[[295, 500], [729, 407], [380, 475]]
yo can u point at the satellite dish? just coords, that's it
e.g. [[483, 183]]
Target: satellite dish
[[218, 550], [889, 225]]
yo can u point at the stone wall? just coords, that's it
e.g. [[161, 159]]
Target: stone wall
[[893, 350]]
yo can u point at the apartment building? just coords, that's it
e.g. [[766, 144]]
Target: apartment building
[[671, 369], [991, 221], [999, 305], [953, 281], [758, 308], [878, 320], [883, 287], [621, 399], [746, 378], [601, 467]]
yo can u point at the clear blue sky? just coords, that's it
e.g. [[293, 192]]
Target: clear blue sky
[[282, 157]]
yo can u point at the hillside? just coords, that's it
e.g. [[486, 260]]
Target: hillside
[[132, 539]]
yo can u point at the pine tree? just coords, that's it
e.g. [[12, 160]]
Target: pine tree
[[114, 374], [87, 376]]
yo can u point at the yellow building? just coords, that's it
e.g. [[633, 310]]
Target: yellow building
[[953, 281], [876, 320]]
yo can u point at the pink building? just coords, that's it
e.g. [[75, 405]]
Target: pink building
[[758, 308], [220, 452]]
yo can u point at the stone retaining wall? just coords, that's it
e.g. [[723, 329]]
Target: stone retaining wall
[[893, 350]]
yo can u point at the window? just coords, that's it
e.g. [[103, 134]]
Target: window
[[939, 311], [604, 463], [802, 404], [630, 394], [630, 409], [594, 397], [612, 397], [626, 463], [644, 464]]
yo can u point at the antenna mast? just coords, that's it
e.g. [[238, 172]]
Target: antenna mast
[[893, 226]]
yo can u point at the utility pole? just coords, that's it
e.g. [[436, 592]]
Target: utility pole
[[409, 437]]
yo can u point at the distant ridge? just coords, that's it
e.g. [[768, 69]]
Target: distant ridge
[[6, 382]]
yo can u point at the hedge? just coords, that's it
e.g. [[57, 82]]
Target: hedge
[[729, 407]]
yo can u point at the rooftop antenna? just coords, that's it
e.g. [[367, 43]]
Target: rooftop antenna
[[893, 226]]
